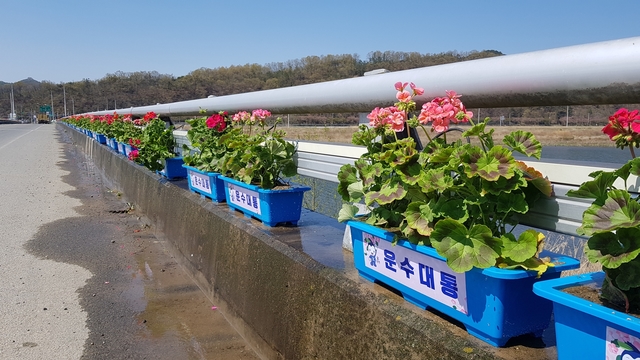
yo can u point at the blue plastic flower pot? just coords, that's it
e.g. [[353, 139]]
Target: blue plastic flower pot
[[128, 149], [100, 138], [121, 148], [173, 169], [206, 184], [585, 330], [493, 304], [272, 207], [112, 143]]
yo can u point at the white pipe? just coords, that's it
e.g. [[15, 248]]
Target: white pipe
[[598, 73]]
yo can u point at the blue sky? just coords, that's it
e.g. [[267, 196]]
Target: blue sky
[[70, 40]]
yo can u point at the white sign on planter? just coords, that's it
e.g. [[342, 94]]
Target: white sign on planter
[[424, 274], [200, 181], [245, 198], [620, 345]]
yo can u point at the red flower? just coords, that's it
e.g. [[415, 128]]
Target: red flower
[[623, 122], [133, 155], [216, 121], [150, 116]]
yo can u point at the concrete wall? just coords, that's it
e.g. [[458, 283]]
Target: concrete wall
[[288, 305]]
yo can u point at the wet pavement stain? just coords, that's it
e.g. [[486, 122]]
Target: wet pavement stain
[[140, 303]]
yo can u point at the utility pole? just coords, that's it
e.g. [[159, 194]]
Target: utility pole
[[64, 96], [52, 112], [567, 116]]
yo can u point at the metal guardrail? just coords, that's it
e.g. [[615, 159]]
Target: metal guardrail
[[559, 213], [598, 73]]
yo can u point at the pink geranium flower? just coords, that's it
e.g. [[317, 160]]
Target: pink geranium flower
[[403, 96], [442, 111], [259, 115], [241, 116], [389, 117]]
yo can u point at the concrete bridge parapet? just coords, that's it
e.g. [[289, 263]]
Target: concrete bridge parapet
[[287, 304]]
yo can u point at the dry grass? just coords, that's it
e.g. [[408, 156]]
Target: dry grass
[[547, 135]]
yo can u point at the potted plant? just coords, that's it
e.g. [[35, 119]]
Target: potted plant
[[128, 130], [156, 148], [440, 222], [256, 161], [97, 126], [605, 326], [110, 130], [202, 159]]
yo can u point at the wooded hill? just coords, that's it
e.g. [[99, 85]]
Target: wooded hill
[[123, 90]]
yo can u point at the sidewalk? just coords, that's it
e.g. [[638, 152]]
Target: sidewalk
[[96, 282]]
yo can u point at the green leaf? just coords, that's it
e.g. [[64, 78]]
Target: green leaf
[[435, 180], [614, 249], [512, 202], [465, 249], [455, 209], [522, 249], [415, 193], [596, 188], [524, 142], [369, 173], [415, 238], [441, 155], [618, 210], [289, 168], [635, 168], [387, 194], [534, 264], [348, 212], [536, 178], [475, 130], [356, 191], [419, 217], [409, 173], [504, 185], [629, 276], [347, 175], [492, 165]]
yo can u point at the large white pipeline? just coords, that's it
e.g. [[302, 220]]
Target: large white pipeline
[[598, 73]]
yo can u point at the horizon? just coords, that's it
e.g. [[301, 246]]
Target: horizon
[[56, 46]]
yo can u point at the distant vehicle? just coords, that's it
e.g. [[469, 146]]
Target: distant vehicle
[[43, 119]]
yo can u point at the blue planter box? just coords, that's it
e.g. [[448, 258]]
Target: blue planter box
[[272, 207], [206, 184], [585, 330], [128, 149], [100, 138], [112, 143], [173, 169], [493, 304], [121, 148]]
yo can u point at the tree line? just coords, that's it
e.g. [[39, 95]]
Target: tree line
[[131, 89]]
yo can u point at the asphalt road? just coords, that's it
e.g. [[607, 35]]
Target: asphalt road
[[83, 275]]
